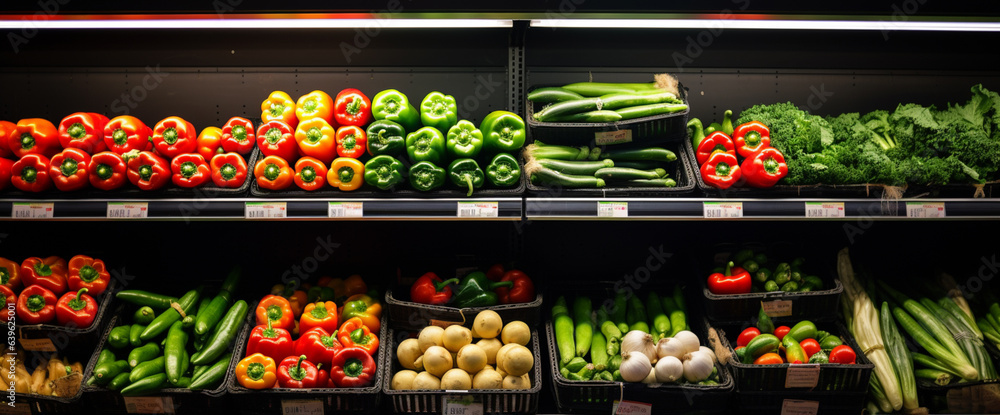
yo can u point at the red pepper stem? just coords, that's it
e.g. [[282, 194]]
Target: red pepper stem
[[438, 286], [78, 303], [729, 269]]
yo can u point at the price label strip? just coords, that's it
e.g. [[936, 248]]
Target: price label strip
[[301, 407], [825, 209], [122, 210], [30, 210], [799, 407], [802, 376], [924, 210], [149, 405], [461, 405], [604, 138], [38, 345], [347, 210], [612, 209], [478, 209], [777, 308], [631, 408], [719, 210], [265, 210]]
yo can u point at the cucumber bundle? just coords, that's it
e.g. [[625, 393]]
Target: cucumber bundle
[[585, 167], [596, 102]]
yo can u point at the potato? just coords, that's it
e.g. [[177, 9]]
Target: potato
[[456, 379], [455, 337], [516, 332], [403, 380], [487, 324]]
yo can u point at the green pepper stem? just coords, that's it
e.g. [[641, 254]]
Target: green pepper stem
[[353, 367], [297, 372], [729, 268], [78, 303], [468, 180], [255, 371], [438, 286]]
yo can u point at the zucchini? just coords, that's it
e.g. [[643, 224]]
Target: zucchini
[[584, 328], [599, 351], [145, 386], [146, 298], [665, 182], [551, 177], [543, 151], [173, 351], [562, 324], [582, 168], [210, 316], [212, 376], [638, 164], [604, 102], [649, 110], [659, 321], [596, 116], [596, 89], [640, 154], [224, 334], [622, 173], [552, 94]]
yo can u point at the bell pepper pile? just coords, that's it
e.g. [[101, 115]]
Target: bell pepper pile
[[719, 152], [748, 272], [53, 291], [351, 140], [89, 150], [336, 348], [765, 344], [477, 289]]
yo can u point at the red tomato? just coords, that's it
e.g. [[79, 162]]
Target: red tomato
[[769, 359], [781, 331], [810, 346], [843, 354], [746, 336]]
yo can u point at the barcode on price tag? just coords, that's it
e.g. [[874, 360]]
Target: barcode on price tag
[[117, 210], [612, 209], [149, 405], [301, 407], [802, 376], [715, 210], [347, 209], [631, 408], [824, 209], [31, 211], [797, 407], [38, 345], [478, 209], [925, 210], [461, 405], [265, 210]]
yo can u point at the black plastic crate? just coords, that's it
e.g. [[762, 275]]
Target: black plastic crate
[[495, 401], [42, 404], [966, 397], [63, 337], [825, 403], [333, 400], [657, 129], [405, 314]]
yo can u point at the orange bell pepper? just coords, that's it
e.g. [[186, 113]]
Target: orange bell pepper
[[368, 309], [276, 309], [279, 106], [346, 174], [35, 136], [273, 173], [355, 333], [316, 138], [319, 314], [297, 299], [310, 174], [210, 142], [256, 372], [316, 104], [355, 285]]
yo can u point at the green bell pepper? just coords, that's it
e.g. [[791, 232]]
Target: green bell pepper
[[503, 171], [386, 137], [475, 290], [425, 144], [503, 132], [439, 111], [426, 176], [383, 172], [393, 105], [466, 173], [464, 140]]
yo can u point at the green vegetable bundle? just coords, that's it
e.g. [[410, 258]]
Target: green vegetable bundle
[[585, 167], [594, 102]]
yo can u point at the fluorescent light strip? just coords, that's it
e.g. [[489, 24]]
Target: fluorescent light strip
[[769, 24], [254, 23]]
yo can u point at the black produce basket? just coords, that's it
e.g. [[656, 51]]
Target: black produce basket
[[495, 401], [965, 397], [333, 400], [680, 170], [656, 129], [63, 337], [412, 315], [737, 307]]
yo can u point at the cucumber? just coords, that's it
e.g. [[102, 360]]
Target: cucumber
[[146, 386], [224, 334], [146, 298], [552, 94], [624, 173], [173, 352], [144, 315], [119, 382], [232, 280], [555, 152], [167, 318], [551, 177], [763, 343], [562, 324], [640, 154], [605, 102], [144, 353], [148, 368], [133, 335], [596, 89], [210, 316], [211, 377], [649, 110], [665, 182], [584, 328], [596, 116], [119, 337], [598, 351], [582, 168]]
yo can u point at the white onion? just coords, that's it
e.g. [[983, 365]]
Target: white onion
[[667, 346], [710, 353], [698, 367], [668, 369], [651, 377], [689, 341], [635, 366], [638, 341]]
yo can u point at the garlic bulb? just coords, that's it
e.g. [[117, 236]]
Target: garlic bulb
[[638, 341], [635, 366]]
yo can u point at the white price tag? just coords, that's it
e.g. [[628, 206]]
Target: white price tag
[[461, 405], [118, 210], [265, 210], [347, 209], [31, 210], [478, 209], [925, 210], [777, 308], [802, 376], [715, 210], [149, 405], [38, 345], [613, 137], [631, 408], [797, 407], [824, 209], [612, 209], [301, 407]]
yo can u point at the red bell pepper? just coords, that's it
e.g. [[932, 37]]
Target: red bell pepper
[[751, 137], [715, 142], [735, 280], [69, 170], [523, 290], [7, 130], [721, 170], [270, 341], [190, 170], [83, 130], [352, 107], [273, 173], [279, 107], [277, 310], [495, 273], [229, 170], [173, 136], [238, 136], [316, 104], [76, 309], [276, 138], [354, 333], [352, 367], [49, 273], [319, 314], [10, 274], [351, 142], [8, 295], [34, 136], [430, 289], [125, 133], [764, 168], [210, 142], [310, 174], [88, 273], [297, 372], [107, 170], [36, 305], [148, 171], [31, 173], [6, 167], [318, 345]]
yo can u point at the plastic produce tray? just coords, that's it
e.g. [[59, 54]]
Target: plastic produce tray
[[54, 404], [968, 397], [494, 401], [737, 307], [63, 337], [411, 315]]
